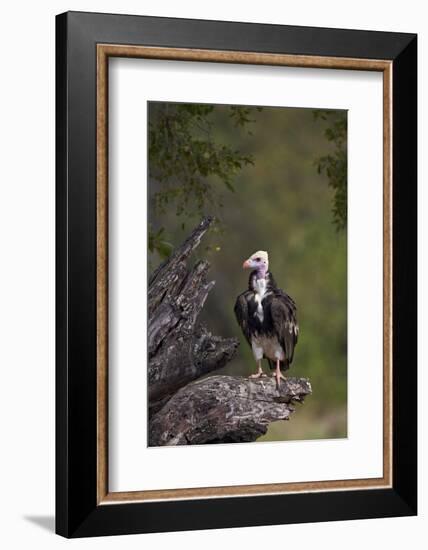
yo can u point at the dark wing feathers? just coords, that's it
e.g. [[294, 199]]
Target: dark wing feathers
[[241, 313], [283, 312]]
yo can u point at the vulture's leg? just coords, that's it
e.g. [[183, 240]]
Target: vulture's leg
[[278, 374], [259, 372]]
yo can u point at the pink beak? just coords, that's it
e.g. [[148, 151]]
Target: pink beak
[[246, 264]]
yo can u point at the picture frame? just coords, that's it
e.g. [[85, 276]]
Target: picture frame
[[84, 44]]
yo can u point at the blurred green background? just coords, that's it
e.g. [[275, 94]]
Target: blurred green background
[[268, 176]]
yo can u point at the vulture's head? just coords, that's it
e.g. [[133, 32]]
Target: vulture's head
[[259, 260]]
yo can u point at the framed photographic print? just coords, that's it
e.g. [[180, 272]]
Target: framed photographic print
[[236, 274]]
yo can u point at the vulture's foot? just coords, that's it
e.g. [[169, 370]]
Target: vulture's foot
[[259, 373], [279, 376]]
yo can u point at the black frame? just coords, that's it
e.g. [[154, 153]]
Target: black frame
[[77, 513]]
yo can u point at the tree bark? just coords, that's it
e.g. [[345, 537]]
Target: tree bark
[[225, 409], [180, 348], [183, 408]]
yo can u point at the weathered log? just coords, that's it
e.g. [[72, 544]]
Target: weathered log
[[225, 409], [180, 349]]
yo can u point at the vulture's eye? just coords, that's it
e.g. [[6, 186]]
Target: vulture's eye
[[258, 259]]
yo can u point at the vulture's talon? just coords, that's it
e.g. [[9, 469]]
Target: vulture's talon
[[258, 375], [278, 377]]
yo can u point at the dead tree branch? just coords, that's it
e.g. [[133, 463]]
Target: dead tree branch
[[225, 409]]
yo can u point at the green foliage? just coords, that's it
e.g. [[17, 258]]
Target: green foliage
[[188, 163], [158, 242], [241, 115], [334, 164]]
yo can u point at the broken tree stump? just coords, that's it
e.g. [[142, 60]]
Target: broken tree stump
[[180, 348]]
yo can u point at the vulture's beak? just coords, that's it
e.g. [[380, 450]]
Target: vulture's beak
[[246, 264]]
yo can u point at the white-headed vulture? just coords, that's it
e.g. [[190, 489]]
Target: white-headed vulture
[[267, 317]]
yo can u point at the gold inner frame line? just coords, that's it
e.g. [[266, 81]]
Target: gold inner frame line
[[104, 51]]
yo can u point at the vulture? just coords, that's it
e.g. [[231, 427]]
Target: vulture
[[267, 317]]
